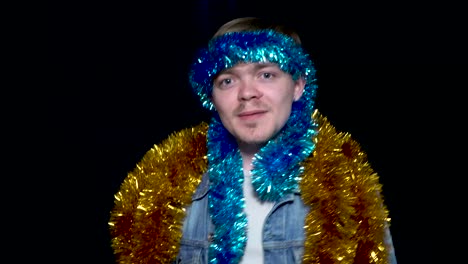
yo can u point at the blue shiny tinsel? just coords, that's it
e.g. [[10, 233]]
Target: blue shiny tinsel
[[277, 166]]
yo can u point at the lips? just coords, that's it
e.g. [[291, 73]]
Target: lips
[[248, 115]]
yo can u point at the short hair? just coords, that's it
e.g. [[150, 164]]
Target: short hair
[[255, 23]]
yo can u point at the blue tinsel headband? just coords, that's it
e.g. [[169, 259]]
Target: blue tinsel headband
[[262, 46]]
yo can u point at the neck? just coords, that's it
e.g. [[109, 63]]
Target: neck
[[247, 152]]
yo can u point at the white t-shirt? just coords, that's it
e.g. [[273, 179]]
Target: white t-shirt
[[256, 212]]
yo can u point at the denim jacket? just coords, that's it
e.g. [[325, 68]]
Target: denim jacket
[[283, 233]]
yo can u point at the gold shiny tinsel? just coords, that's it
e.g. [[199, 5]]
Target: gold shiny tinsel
[[146, 221], [346, 223], [348, 218]]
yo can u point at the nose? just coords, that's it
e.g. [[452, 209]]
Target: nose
[[249, 90]]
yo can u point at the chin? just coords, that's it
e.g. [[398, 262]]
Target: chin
[[260, 140], [253, 137]]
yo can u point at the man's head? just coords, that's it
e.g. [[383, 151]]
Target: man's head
[[253, 73]]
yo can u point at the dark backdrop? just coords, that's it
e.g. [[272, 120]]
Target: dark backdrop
[[118, 77]]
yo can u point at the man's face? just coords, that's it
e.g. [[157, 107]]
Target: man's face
[[254, 100]]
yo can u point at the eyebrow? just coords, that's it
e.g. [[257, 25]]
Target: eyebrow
[[265, 65], [257, 66]]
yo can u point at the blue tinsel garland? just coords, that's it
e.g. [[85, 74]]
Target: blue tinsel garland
[[277, 166]]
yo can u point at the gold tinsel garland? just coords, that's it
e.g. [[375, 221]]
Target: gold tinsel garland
[[346, 223], [147, 219], [348, 217]]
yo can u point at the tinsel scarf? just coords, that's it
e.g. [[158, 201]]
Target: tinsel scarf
[[346, 223], [276, 167]]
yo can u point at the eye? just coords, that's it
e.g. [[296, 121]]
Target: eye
[[223, 82], [226, 81], [267, 75]]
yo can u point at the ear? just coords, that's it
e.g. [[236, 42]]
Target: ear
[[299, 88]]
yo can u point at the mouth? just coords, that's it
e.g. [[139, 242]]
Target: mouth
[[251, 115]]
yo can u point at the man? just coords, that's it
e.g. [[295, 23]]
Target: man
[[268, 180]]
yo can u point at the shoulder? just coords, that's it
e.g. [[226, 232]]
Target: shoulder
[[187, 140], [329, 140], [182, 150], [191, 135]]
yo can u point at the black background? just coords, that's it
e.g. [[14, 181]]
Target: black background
[[388, 73]]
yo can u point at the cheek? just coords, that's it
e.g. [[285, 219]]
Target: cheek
[[285, 104], [215, 99], [286, 100], [222, 105]]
